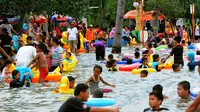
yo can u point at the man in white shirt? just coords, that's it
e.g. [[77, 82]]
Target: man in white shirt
[[25, 55], [72, 37], [197, 32]]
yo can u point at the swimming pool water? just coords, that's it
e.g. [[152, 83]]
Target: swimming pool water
[[131, 92]]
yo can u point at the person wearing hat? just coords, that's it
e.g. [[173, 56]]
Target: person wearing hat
[[90, 34], [197, 32], [177, 51], [72, 37]]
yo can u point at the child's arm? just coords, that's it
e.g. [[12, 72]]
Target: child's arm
[[106, 83], [34, 59], [88, 80]]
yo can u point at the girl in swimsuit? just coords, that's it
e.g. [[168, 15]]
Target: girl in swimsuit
[[96, 78]]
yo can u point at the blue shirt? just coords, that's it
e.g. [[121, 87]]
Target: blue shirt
[[154, 64]]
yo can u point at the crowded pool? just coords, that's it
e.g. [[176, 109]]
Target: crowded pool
[[131, 92]]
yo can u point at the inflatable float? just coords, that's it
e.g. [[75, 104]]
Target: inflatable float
[[52, 77], [64, 87], [22, 71], [125, 62], [161, 47], [137, 71], [129, 67], [100, 102], [164, 65], [68, 65], [133, 42]]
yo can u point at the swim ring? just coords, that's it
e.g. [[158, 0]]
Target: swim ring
[[129, 67], [100, 102], [161, 47], [137, 71], [52, 76]]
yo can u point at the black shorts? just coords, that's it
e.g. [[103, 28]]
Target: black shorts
[[197, 37]]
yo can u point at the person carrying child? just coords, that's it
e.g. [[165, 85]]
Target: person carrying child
[[96, 78], [111, 63], [40, 61]]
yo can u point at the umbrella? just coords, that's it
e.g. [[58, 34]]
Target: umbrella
[[146, 16], [131, 14], [149, 16]]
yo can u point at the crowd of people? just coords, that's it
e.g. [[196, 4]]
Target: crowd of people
[[44, 51]]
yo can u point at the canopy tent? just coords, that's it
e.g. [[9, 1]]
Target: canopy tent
[[146, 16]]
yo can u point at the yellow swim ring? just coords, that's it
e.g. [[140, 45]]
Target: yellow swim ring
[[137, 71], [68, 66]]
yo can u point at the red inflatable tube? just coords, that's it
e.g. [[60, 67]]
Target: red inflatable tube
[[129, 68]]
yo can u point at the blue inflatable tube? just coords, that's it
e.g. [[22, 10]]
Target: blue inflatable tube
[[100, 102], [125, 62], [24, 70]]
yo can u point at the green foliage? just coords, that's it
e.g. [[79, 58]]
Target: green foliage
[[172, 9]]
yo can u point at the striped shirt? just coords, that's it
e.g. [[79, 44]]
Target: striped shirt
[[56, 55]]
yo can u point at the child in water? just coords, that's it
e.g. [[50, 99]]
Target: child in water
[[111, 63], [176, 67], [15, 83], [155, 100], [68, 55], [158, 88], [156, 62], [98, 93], [96, 78], [143, 74], [144, 63], [71, 84], [40, 61], [6, 73]]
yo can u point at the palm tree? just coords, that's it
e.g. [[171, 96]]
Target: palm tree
[[119, 25]]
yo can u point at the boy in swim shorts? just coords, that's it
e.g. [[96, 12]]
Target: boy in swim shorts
[[40, 61]]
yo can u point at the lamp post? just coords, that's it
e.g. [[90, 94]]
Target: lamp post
[[138, 16]]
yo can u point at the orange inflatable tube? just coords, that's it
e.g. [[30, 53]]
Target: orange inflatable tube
[[51, 77]]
